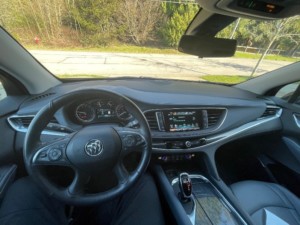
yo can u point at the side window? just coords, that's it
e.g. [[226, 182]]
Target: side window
[[288, 92], [2, 91]]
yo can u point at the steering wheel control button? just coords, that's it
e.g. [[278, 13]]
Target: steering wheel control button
[[41, 156], [54, 154], [94, 147], [140, 140], [129, 141]]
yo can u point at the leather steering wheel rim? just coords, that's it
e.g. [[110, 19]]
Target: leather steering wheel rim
[[71, 151]]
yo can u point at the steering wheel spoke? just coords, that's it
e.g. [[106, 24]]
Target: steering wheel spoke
[[52, 154], [78, 184], [121, 173], [132, 140]]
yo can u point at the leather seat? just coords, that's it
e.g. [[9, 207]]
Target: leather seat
[[268, 203]]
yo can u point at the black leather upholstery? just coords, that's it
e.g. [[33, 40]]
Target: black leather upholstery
[[7, 176], [262, 198]]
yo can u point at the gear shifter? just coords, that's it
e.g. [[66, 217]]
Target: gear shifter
[[185, 186]]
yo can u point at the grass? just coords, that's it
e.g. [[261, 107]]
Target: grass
[[246, 55], [113, 48], [79, 76], [225, 79]]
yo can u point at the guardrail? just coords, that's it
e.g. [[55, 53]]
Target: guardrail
[[261, 50]]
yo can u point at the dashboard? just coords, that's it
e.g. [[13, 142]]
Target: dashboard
[[184, 117]]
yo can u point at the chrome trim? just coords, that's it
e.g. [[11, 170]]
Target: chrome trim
[[93, 147], [197, 108], [242, 128], [297, 119], [272, 107], [157, 115], [23, 129], [222, 198], [233, 132], [35, 156]]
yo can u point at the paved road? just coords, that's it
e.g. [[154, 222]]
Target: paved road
[[154, 65]]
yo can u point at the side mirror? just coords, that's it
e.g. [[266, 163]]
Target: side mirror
[[207, 46]]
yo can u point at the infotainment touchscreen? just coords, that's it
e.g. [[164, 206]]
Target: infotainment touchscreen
[[181, 120]]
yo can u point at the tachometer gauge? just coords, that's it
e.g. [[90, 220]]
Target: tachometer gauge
[[122, 113], [110, 104], [100, 103], [85, 113]]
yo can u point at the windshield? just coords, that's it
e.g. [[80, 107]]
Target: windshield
[[108, 39]]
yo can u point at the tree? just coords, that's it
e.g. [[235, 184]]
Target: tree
[[29, 18], [96, 20], [274, 30], [138, 19], [178, 17], [291, 42]]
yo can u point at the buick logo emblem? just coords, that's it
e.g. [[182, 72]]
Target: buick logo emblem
[[94, 147]]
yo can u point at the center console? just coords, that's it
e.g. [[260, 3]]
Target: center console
[[194, 200], [206, 205]]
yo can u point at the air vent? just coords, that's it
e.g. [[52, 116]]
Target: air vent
[[21, 124], [152, 121], [270, 111], [41, 96], [214, 116], [24, 121]]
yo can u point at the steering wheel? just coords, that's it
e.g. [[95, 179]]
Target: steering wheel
[[93, 149]]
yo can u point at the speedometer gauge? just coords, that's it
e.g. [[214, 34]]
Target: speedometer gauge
[[122, 112], [85, 113]]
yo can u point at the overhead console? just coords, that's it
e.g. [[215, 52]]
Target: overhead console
[[259, 5], [263, 9]]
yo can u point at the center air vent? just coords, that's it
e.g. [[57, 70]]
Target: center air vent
[[152, 121], [214, 116]]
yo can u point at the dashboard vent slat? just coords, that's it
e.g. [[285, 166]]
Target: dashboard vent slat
[[270, 111], [152, 121], [214, 116], [24, 121], [41, 96], [21, 124]]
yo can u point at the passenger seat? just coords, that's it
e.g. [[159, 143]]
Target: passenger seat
[[268, 203]]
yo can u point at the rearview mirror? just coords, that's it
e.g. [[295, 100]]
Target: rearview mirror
[[207, 46]]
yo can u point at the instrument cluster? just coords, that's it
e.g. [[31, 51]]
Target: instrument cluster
[[101, 110]]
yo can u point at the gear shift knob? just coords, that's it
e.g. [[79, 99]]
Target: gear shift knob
[[185, 185]]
